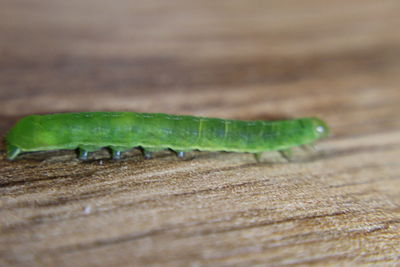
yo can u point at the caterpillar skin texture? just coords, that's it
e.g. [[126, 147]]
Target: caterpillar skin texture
[[121, 131]]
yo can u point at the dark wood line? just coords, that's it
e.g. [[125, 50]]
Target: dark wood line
[[129, 238], [133, 237]]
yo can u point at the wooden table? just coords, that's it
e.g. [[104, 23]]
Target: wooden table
[[338, 60]]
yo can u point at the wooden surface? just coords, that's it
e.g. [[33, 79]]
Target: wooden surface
[[339, 60]]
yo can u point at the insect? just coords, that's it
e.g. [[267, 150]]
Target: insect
[[122, 131]]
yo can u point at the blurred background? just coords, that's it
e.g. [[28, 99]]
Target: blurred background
[[235, 59]]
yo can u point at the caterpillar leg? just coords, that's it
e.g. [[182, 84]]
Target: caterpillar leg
[[83, 154], [116, 151], [84, 151], [257, 156], [183, 154], [116, 154], [12, 152], [180, 154], [309, 148], [310, 151], [287, 154], [147, 154]]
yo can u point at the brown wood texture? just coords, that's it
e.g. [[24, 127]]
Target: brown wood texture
[[339, 60]]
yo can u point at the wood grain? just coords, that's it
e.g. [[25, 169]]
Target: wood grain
[[250, 59]]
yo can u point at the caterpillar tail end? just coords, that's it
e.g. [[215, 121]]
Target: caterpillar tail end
[[12, 152]]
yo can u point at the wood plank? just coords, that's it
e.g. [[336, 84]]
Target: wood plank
[[233, 59]]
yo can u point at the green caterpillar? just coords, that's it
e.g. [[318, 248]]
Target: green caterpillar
[[121, 131]]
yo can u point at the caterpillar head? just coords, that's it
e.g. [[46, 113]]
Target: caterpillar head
[[320, 128]]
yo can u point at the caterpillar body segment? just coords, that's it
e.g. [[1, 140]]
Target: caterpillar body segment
[[121, 131]]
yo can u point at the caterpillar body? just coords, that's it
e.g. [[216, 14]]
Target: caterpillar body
[[122, 131]]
